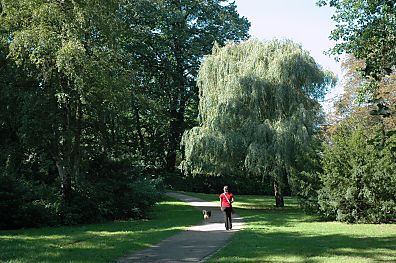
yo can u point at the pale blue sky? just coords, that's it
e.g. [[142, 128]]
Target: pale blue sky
[[299, 20]]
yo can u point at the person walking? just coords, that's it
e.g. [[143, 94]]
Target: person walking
[[226, 200]]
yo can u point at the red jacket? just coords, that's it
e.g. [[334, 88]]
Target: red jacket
[[224, 202]]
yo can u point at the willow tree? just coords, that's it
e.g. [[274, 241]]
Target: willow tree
[[258, 111]]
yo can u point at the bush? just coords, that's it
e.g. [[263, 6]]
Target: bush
[[214, 184], [120, 191], [23, 204], [305, 186], [359, 183], [304, 180], [111, 190], [12, 197]]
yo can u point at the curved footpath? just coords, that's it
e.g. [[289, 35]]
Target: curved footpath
[[197, 243]]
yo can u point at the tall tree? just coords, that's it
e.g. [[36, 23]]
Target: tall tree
[[72, 50], [12, 83], [348, 107], [366, 29], [258, 111], [176, 37], [356, 182]]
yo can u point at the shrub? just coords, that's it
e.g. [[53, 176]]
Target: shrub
[[358, 178], [305, 186], [119, 190], [214, 184], [11, 199], [110, 190], [24, 204]]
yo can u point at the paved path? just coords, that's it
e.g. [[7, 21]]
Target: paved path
[[197, 243]]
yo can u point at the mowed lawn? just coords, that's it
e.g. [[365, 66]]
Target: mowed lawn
[[289, 235], [96, 242], [270, 235]]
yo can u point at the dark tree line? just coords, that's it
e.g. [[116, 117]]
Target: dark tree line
[[94, 95]]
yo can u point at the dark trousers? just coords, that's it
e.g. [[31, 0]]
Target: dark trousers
[[227, 211]]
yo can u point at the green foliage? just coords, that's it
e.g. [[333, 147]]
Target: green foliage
[[119, 191], [60, 45], [175, 37], [358, 179], [201, 183], [111, 191], [306, 186], [115, 81], [258, 110], [366, 29], [23, 204]]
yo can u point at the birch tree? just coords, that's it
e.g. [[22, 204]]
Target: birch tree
[[72, 50]]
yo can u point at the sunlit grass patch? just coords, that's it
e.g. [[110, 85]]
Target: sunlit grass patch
[[96, 242], [289, 235]]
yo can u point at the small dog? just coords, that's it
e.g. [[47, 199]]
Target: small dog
[[206, 214]]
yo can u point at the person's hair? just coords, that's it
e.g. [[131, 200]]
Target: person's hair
[[225, 188]]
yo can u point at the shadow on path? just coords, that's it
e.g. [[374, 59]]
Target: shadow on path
[[197, 243]]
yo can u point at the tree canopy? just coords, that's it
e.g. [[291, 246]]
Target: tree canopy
[[94, 97], [258, 109], [178, 35], [356, 178], [366, 29]]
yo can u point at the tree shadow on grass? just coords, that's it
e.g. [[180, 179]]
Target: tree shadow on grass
[[275, 217], [276, 235], [284, 246], [96, 242], [289, 235]]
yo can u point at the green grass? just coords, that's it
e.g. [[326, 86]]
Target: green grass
[[289, 235], [96, 242], [270, 235]]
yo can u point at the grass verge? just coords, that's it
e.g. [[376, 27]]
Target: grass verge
[[96, 242], [289, 235]]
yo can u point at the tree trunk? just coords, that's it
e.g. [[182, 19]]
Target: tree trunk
[[176, 128], [63, 156], [177, 109], [76, 152], [65, 177], [278, 195], [139, 130], [68, 154]]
